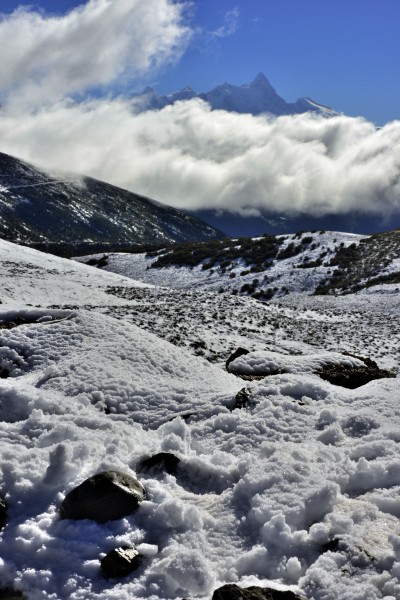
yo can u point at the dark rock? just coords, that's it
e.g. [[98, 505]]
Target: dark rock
[[242, 398], [353, 377], [120, 562], [234, 592], [103, 497], [3, 512], [331, 546], [236, 354], [163, 461], [10, 594], [185, 416]]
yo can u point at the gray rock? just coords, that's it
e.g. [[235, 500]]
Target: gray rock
[[234, 592], [120, 562], [104, 497], [3, 513]]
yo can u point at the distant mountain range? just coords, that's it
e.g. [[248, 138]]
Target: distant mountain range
[[254, 98], [49, 212], [275, 223]]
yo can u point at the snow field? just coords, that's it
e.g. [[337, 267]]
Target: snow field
[[300, 489], [261, 491]]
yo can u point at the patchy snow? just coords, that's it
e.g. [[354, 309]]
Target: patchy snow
[[300, 489], [286, 274]]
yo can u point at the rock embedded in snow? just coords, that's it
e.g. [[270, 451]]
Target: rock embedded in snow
[[242, 398], [3, 512], [9, 594], [235, 355], [120, 562], [231, 591], [355, 376], [344, 369], [163, 461], [104, 497]]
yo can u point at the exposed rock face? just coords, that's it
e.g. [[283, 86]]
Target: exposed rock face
[[120, 562], [234, 592], [3, 512], [103, 497], [163, 461], [236, 354]]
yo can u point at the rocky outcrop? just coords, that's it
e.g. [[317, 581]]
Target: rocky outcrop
[[234, 592], [104, 497], [120, 562]]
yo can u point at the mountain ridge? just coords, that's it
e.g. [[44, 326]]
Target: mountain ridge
[[37, 208], [256, 97]]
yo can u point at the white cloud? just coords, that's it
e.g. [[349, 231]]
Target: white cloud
[[191, 157], [230, 24], [44, 58]]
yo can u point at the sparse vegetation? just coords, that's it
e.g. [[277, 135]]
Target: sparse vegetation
[[257, 254]]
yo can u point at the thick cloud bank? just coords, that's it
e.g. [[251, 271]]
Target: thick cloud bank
[[191, 157], [47, 57]]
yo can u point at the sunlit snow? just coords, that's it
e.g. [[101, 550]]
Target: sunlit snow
[[299, 489]]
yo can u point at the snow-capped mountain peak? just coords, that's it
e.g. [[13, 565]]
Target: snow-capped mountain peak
[[256, 97]]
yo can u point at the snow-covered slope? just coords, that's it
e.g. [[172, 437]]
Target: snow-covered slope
[[37, 208], [255, 98], [263, 267], [297, 489]]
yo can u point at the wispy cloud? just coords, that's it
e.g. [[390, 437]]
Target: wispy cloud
[[230, 24], [44, 58], [191, 157]]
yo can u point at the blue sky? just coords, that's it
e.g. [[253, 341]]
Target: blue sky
[[66, 80], [345, 54]]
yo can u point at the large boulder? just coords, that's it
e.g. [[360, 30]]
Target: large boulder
[[231, 591], [104, 497]]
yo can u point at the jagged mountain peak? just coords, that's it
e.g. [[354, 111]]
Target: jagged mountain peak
[[260, 81], [256, 97]]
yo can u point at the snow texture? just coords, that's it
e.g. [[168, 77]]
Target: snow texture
[[298, 490]]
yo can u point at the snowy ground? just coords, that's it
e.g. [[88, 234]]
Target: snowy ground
[[300, 489]]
